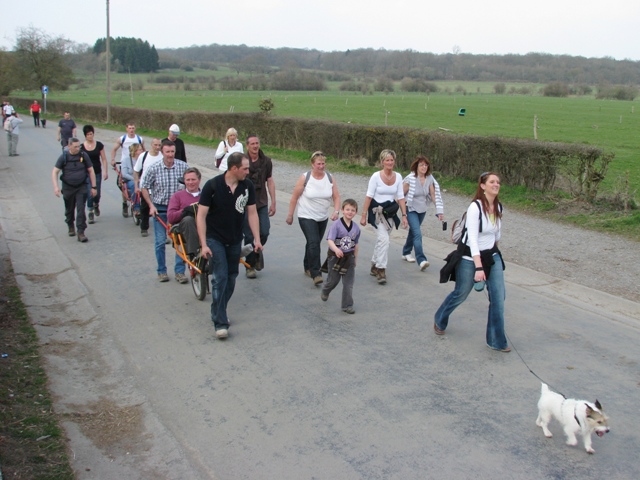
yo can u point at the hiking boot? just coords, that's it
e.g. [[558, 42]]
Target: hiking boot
[[307, 273], [382, 278], [163, 277], [82, 237], [251, 273], [374, 270], [181, 278], [91, 218], [96, 209], [125, 210], [144, 233], [317, 280], [72, 232], [259, 261]]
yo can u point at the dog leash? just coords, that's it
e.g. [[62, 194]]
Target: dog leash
[[529, 368]]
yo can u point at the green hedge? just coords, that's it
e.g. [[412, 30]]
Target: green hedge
[[534, 164]]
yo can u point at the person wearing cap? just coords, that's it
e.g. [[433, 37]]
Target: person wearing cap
[[174, 131]]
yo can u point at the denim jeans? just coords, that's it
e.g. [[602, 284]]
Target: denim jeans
[[94, 201], [223, 267], [313, 231], [160, 235], [465, 272], [132, 195], [414, 237], [265, 225]]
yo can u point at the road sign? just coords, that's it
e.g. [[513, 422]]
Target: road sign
[[45, 89]]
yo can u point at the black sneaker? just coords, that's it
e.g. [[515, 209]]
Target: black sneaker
[[96, 209], [125, 209]]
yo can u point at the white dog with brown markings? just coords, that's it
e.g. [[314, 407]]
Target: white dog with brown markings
[[575, 416]]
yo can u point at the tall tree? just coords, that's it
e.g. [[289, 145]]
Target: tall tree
[[7, 80], [40, 59]]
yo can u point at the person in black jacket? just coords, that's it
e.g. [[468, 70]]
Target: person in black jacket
[[76, 167]]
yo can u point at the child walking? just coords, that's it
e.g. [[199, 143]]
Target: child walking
[[343, 239]]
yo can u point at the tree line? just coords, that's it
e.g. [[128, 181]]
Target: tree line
[[396, 65]]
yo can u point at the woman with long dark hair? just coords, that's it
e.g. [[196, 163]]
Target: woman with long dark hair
[[420, 190], [481, 262]]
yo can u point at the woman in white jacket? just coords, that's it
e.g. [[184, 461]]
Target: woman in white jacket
[[229, 145]]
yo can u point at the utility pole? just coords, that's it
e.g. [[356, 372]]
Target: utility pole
[[108, 69]]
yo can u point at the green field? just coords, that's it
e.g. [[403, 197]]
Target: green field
[[611, 124]]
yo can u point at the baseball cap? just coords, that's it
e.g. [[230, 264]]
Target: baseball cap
[[175, 129]]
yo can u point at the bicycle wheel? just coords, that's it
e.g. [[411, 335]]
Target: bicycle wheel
[[199, 283]]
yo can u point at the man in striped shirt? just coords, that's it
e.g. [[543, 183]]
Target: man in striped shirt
[[160, 182]]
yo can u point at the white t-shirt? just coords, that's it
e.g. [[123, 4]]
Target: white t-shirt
[[381, 192], [126, 144], [148, 161], [316, 199]]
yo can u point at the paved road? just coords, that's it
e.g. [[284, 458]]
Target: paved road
[[301, 390]]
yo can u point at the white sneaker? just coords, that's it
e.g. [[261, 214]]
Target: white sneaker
[[424, 265], [409, 258], [222, 333]]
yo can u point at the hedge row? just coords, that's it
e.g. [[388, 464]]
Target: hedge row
[[534, 164]]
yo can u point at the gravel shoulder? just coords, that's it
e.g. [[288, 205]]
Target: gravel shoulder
[[597, 260]]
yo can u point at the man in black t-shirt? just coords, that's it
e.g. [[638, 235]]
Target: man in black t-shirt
[[224, 203], [76, 167]]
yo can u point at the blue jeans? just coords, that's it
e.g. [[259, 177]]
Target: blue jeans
[[160, 235], [313, 231], [265, 225], [414, 237], [465, 272], [132, 198], [94, 201], [223, 267]]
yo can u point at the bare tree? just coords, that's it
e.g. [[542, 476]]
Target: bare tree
[[41, 59]]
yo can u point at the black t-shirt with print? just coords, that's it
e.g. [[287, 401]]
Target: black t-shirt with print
[[227, 210]]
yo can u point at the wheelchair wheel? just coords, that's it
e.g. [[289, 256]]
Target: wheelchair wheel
[[199, 284]]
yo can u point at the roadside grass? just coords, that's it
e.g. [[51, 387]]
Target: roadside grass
[[32, 444]]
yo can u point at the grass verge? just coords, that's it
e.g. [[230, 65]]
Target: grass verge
[[32, 444]]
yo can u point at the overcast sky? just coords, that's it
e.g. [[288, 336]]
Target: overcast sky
[[572, 27]]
